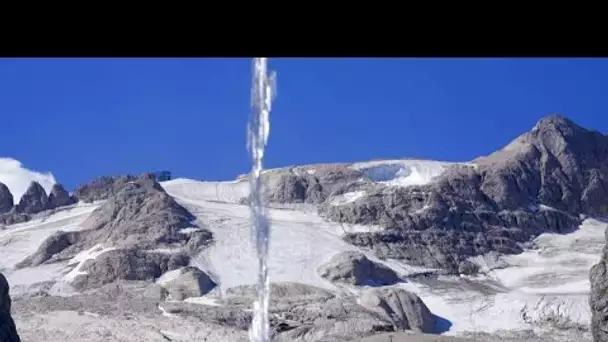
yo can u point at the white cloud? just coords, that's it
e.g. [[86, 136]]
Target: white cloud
[[18, 178]]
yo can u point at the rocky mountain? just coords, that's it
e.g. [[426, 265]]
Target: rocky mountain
[[543, 181], [143, 226], [59, 197], [101, 188], [34, 200], [6, 199], [351, 245]]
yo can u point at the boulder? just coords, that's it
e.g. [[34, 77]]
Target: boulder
[[355, 268], [126, 264], [403, 309], [189, 282]]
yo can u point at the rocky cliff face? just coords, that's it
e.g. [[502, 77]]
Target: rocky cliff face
[[8, 331], [540, 182], [598, 298], [302, 185], [59, 197], [143, 226], [34, 200], [6, 199], [102, 188]]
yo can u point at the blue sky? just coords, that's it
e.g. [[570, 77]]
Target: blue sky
[[81, 118]]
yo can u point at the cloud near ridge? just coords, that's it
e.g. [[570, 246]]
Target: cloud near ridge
[[17, 178]]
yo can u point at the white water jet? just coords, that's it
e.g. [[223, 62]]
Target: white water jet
[[257, 137]]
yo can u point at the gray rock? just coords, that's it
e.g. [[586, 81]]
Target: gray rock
[[104, 187], [119, 298], [468, 268], [126, 264], [335, 319], [541, 182], [50, 248], [410, 337], [34, 200], [403, 309], [281, 294], [297, 185], [143, 222], [6, 199], [59, 197], [356, 269], [13, 217], [225, 316], [191, 282], [598, 297], [8, 330]]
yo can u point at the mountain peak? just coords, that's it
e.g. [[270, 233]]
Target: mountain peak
[[558, 122]]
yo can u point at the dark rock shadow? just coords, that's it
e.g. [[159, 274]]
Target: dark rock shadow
[[375, 283], [442, 325]]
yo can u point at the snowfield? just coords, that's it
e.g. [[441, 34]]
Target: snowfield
[[536, 287], [403, 172]]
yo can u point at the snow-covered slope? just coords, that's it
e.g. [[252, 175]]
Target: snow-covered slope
[[402, 172], [21, 240], [299, 243], [547, 281], [197, 191]]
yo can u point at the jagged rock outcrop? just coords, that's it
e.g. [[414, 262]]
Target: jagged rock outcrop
[[301, 185], [598, 297], [281, 294], [8, 330], [404, 309], [6, 199], [34, 200], [317, 316], [59, 197], [102, 188], [126, 264], [356, 269], [540, 182], [143, 225], [190, 282]]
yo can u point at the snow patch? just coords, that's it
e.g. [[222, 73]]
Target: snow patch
[[18, 178], [189, 230], [346, 198], [168, 276], [300, 241], [229, 191], [204, 300], [165, 313], [82, 257], [22, 240], [402, 172]]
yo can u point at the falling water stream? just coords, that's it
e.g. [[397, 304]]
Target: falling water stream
[[257, 136]]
